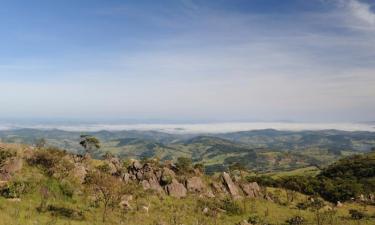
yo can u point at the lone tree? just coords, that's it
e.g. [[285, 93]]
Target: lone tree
[[89, 143], [107, 189]]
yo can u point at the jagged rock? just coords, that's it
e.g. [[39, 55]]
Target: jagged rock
[[176, 189], [148, 171], [195, 184], [218, 189], [126, 177], [154, 185], [114, 165], [145, 184], [232, 188], [136, 165], [252, 190], [139, 175]]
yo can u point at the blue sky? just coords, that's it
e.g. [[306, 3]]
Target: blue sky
[[188, 60]]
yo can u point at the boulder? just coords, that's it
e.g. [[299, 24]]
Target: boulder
[[218, 189], [195, 184], [251, 190], [154, 185], [136, 165], [176, 189], [231, 187], [145, 184], [126, 177]]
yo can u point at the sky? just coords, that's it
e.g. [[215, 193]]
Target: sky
[[188, 60]]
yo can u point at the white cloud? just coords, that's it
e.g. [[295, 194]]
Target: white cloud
[[362, 11]]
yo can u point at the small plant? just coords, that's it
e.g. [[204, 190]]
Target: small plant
[[296, 220], [184, 164], [65, 212], [4, 155], [356, 214], [254, 219], [67, 188], [231, 207]]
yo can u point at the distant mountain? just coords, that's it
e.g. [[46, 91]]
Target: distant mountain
[[261, 150]]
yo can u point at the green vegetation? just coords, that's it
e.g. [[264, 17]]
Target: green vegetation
[[346, 179], [263, 151], [49, 189]]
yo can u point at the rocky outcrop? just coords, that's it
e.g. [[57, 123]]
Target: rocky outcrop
[[251, 190], [195, 184], [231, 186], [176, 189]]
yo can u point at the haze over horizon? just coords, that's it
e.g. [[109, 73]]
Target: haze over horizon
[[188, 60]]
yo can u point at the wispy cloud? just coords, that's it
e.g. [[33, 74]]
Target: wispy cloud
[[362, 11]]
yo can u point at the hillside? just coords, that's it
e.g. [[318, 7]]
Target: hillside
[[50, 186], [263, 151]]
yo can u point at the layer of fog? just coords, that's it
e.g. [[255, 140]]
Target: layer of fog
[[197, 128]]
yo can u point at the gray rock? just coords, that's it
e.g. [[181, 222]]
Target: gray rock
[[137, 165], [195, 184], [229, 184], [251, 190], [176, 189]]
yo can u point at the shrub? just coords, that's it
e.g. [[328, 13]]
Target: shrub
[[296, 220], [67, 188], [184, 164], [356, 215], [4, 155], [65, 212], [104, 168], [166, 179], [16, 189], [254, 219], [47, 158], [231, 207]]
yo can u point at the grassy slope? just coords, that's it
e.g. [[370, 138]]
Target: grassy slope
[[172, 211]]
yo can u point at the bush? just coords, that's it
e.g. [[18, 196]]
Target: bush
[[184, 164], [67, 188], [356, 215], [231, 207], [296, 220], [16, 189], [254, 219], [65, 212], [47, 159], [4, 155]]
